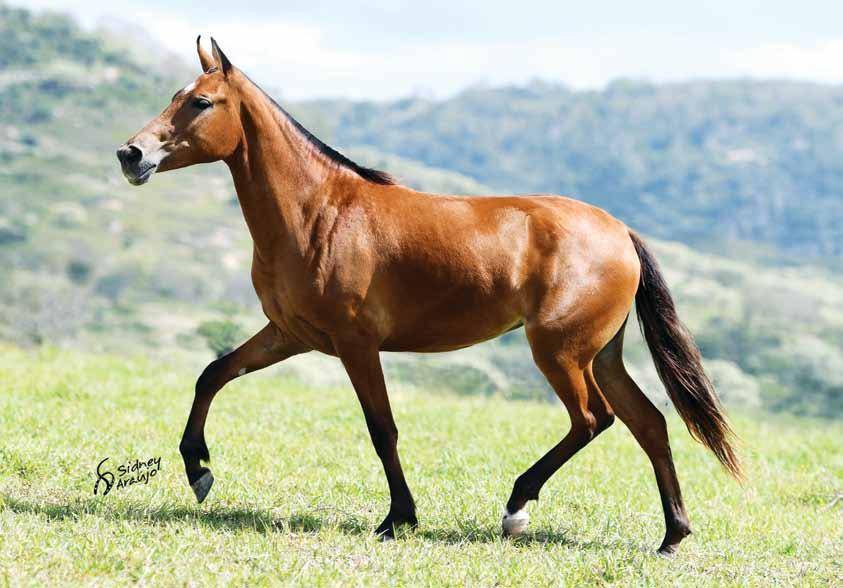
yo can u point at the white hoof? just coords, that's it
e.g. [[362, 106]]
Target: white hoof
[[202, 486], [515, 523]]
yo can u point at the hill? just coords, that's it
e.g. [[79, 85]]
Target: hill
[[299, 489], [91, 262]]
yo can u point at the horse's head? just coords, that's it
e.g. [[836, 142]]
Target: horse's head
[[200, 125]]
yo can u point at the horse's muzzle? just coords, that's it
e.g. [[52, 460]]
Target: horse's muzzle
[[135, 168]]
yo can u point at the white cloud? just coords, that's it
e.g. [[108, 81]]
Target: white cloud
[[821, 62], [301, 61], [309, 60]]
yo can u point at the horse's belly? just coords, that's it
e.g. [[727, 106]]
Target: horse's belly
[[450, 331]]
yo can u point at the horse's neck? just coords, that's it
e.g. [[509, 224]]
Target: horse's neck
[[279, 182]]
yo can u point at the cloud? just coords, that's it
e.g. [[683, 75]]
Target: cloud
[[821, 62], [303, 57], [302, 60]]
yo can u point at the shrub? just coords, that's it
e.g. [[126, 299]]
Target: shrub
[[221, 336]]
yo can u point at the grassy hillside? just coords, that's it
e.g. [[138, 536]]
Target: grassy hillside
[[299, 489], [89, 261]]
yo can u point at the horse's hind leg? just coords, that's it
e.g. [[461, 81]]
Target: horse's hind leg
[[648, 427], [590, 414], [267, 347]]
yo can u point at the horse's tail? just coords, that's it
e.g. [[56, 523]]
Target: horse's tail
[[679, 365]]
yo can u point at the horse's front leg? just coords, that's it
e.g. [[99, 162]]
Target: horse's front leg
[[362, 362], [267, 347]]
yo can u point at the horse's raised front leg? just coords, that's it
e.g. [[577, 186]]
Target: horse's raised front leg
[[267, 347], [362, 362]]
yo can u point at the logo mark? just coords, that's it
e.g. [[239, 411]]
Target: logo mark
[[134, 471], [105, 477]]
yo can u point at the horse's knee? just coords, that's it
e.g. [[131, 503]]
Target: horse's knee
[[212, 378]]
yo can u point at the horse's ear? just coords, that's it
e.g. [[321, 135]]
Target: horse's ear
[[222, 61], [205, 59]]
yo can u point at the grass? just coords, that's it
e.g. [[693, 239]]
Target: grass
[[299, 490]]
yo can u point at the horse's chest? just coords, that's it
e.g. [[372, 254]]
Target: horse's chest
[[292, 306]]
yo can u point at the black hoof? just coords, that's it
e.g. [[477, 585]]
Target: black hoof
[[386, 530], [202, 485], [673, 538]]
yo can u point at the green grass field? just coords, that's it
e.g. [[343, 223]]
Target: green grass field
[[299, 489]]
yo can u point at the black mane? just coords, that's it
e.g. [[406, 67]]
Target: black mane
[[372, 175]]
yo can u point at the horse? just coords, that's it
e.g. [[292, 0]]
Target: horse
[[348, 262]]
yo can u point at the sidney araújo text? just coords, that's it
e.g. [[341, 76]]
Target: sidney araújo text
[[135, 471]]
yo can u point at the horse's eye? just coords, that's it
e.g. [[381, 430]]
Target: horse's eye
[[202, 103]]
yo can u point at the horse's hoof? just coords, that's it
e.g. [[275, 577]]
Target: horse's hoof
[[677, 532], [385, 532], [515, 523], [667, 551], [387, 529], [202, 486]]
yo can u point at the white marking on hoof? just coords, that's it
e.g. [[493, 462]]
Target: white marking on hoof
[[202, 486], [241, 372], [515, 523]]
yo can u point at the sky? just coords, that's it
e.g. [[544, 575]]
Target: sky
[[387, 49]]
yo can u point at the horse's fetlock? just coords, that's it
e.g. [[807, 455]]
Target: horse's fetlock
[[190, 448], [525, 489], [681, 526]]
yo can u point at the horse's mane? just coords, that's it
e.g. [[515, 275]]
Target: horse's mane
[[372, 175]]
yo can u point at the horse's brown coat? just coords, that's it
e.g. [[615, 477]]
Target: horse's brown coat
[[350, 267]]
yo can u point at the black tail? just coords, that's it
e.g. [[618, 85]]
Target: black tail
[[679, 365]]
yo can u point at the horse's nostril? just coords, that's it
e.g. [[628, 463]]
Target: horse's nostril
[[129, 154], [134, 154]]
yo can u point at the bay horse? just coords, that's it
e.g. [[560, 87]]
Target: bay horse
[[349, 263]]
